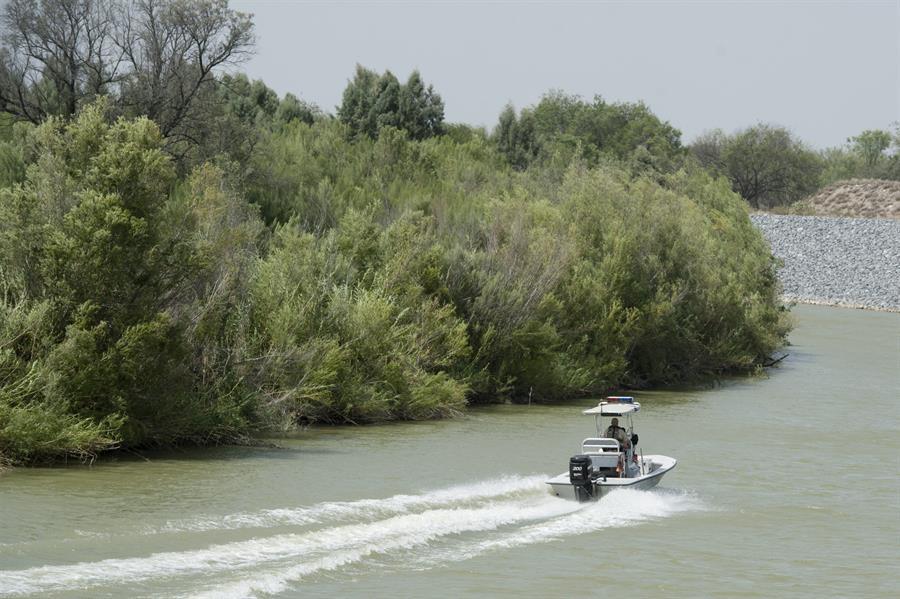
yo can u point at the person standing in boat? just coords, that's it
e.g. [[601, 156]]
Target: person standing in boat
[[618, 433]]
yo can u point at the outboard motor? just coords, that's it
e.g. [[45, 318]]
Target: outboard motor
[[580, 471]]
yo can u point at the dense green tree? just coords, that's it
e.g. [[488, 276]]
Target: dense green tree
[[358, 103], [292, 108], [709, 148], [97, 259], [12, 150], [767, 165], [386, 109], [871, 144], [371, 102], [421, 109], [245, 111], [873, 154], [251, 102], [516, 138], [592, 131]]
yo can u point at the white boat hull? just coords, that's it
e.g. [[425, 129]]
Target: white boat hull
[[655, 467]]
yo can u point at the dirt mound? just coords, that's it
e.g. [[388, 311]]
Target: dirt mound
[[868, 198]]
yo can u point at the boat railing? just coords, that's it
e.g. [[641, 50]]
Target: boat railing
[[600, 445]]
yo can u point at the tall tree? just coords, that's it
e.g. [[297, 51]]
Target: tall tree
[[515, 137], [708, 149], [56, 55], [155, 58], [371, 102], [387, 102], [421, 108], [173, 48], [766, 164], [358, 101], [871, 144]]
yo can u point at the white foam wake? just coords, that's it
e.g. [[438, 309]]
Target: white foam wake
[[405, 530], [558, 519], [618, 509], [450, 524], [457, 495], [336, 511]]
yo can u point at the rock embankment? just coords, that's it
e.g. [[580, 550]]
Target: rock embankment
[[834, 260]]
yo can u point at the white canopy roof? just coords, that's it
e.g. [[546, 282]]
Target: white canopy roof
[[613, 409]]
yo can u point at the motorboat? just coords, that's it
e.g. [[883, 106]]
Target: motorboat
[[611, 460]]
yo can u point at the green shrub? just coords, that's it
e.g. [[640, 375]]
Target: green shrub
[[396, 279]]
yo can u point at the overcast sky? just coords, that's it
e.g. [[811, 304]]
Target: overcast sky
[[826, 70]]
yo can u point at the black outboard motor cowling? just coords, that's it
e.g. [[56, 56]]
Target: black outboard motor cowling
[[580, 471]]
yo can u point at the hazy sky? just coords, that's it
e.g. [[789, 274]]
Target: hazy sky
[[826, 70]]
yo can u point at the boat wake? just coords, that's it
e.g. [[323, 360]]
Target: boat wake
[[458, 496], [451, 524]]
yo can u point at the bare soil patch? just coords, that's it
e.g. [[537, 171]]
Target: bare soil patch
[[868, 198]]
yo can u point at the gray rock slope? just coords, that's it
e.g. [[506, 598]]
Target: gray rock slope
[[836, 260]]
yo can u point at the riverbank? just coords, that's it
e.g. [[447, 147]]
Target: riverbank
[[838, 261]]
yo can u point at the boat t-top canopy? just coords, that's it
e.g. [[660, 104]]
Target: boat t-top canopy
[[614, 406]]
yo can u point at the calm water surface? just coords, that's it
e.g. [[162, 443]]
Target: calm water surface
[[787, 486]]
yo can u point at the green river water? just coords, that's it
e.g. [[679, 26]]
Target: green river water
[[786, 486]]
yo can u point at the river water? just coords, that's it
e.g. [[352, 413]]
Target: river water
[[787, 486]]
